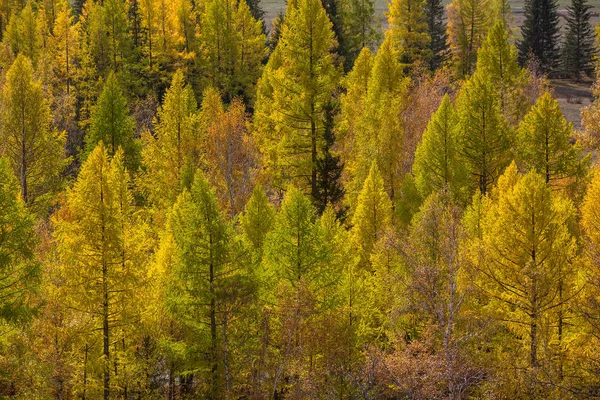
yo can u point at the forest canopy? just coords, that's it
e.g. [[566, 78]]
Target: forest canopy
[[197, 202]]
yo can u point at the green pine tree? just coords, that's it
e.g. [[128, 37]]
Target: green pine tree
[[578, 49], [540, 34]]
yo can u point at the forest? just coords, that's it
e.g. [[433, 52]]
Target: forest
[[195, 205]]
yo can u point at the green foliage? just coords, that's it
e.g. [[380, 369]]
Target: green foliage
[[35, 152], [409, 30], [578, 49], [544, 143], [437, 163], [372, 216], [485, 139], [19, 269], [173, 152], [112, 124], [294, 94], [540, 32]]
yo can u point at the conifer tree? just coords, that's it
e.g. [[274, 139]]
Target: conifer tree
[[381, 134], [172, 154], [19, 270], [329, 170], [353, 107], [257, 219], [544, 142], [525, 270], [204, 280], [303, 278], [409, 30], [468, 22], [484, 137], [436, 28], [23, 34], [112, 124], [540, 34], [372, 216], [66, 36], [359, 29], [35, 153], [497, 59], [101, 257], [437, 164], [578, 49], [234, 46], [296, 88]]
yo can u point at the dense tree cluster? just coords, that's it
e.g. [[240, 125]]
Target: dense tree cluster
[[191, 210]]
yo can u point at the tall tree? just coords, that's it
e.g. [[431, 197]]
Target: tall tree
[[409, 30], [172, 153], [329, 170], [35, 153], [112, 124], [234, 46], [544, 143], [437, 164], [523, 267], [19, 270], [484, 137], [578, 49], [372, 216], [101, 257], [436, 28], [497, 58], [540, 32], [66, 35], [468, 22], [296, 88], [303, 280], [205, 282], [359, 28]]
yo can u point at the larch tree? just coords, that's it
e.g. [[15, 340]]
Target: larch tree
[[234, 46], [35, 152], [101, 258], [525, 267], [497, 59], [23, 34], [172, 153], [381, 136], [66, 36], [578, 49], [434, 263], [540, 34], [302, 279], [353, 112], [359, 29], [438, 165], [590, 304], [409, 30], [468, 22], [19, 269], [544, 143], [297, 87], [257, 219], [485, 139], [112, 124], [372, 216], [206, 283]]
